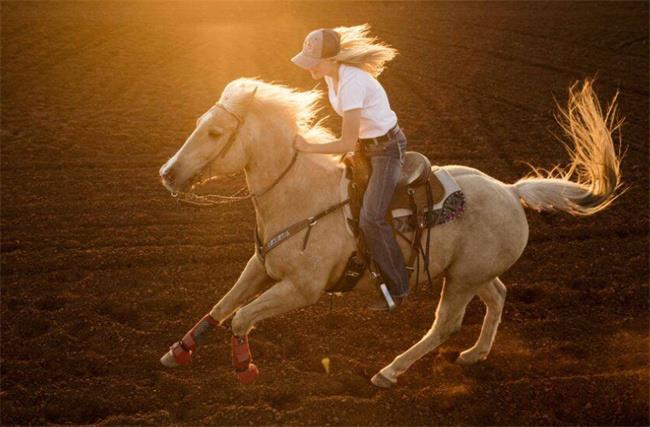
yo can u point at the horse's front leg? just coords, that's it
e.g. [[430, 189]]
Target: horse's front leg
[[281, 298], [251, 281]]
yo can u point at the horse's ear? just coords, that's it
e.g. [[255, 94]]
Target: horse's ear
[[244, 103], [250, 98]]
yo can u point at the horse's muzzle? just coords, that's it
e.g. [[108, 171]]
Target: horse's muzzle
[[168, 174]]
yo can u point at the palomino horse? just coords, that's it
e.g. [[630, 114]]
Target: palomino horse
[[252, 127]]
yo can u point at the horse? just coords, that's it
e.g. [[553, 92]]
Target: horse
[[251, 128]]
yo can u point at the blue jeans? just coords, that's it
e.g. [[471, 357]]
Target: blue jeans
[[387, 161]]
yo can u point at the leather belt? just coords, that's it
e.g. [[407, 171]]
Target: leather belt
[[380, 139]]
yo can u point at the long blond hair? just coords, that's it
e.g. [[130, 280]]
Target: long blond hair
[[361, 50]]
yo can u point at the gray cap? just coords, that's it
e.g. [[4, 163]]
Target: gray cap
[[319, 44]]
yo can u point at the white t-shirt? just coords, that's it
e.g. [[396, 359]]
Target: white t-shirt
[[358, 89]]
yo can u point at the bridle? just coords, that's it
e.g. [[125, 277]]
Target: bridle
[[233, 135], [217, 199]]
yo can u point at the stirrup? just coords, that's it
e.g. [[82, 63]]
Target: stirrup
[[390, 303], [382, 286], [387, 297]]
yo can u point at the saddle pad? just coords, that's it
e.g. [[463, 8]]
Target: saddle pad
[[442, 185]]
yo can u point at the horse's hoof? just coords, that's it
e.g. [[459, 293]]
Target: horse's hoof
[[176, 356], [248, 376], [168, 360], [381, 381], [468, 358]]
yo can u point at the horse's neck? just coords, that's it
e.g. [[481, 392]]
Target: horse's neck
[[309, 187]]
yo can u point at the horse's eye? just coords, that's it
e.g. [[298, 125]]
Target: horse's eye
[[214, 134]]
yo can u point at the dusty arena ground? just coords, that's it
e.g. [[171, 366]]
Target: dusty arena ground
[[102, 271]]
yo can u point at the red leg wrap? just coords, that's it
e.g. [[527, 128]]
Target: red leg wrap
[[249, 375], [245, 371], [181, 356], [183, 349]]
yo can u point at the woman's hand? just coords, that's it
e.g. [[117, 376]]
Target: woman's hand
[[301, 144]]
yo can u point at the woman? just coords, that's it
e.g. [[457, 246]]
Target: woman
[[350, 61]]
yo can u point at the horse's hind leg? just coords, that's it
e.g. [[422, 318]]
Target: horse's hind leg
[[252, 280], [449, 317], [493, 295]]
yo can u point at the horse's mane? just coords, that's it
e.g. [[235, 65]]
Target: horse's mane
[[284, 103]]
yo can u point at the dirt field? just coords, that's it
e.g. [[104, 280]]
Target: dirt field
[[102, 271]]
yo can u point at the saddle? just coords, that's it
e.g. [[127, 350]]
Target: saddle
[[415, 181], [421, 200]]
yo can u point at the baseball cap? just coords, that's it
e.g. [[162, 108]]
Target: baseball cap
[[319, 44]]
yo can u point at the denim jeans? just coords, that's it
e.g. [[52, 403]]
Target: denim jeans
[[387, 161]]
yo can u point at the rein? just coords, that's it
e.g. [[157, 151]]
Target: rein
[[217, 199]]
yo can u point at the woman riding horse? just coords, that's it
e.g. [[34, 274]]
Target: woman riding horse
[[350, 62]]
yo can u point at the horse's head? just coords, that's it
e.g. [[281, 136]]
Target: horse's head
[[218, 143], [251, 127]]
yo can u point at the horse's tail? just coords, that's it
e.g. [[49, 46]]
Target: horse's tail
[[595, 164]]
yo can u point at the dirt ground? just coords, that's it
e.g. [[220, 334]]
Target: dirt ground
[[102, 271]]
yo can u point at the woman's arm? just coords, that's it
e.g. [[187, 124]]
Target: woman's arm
[[349, 136]]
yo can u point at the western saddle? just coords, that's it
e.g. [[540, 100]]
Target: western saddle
[[418, 189]]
